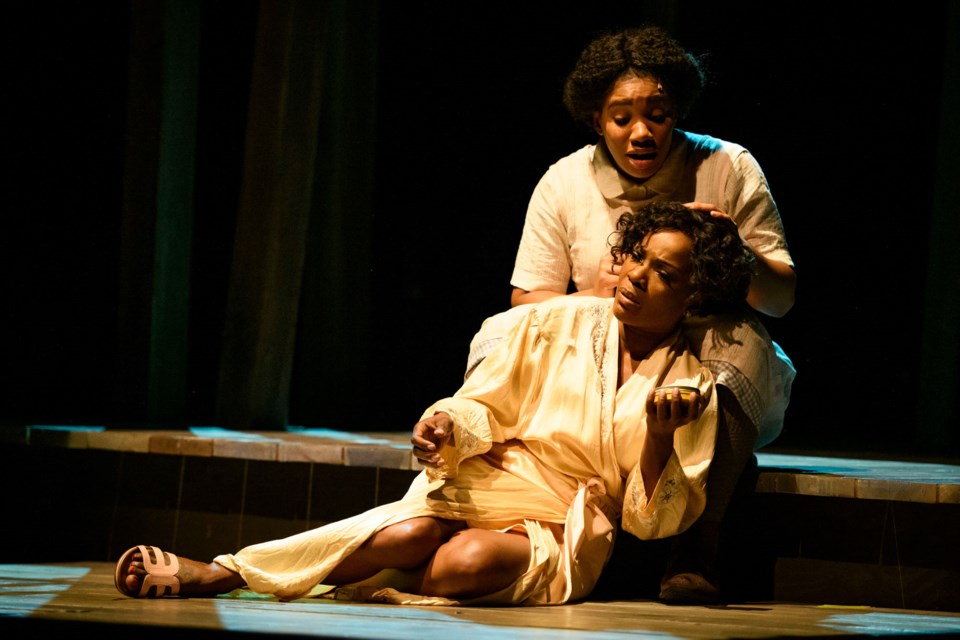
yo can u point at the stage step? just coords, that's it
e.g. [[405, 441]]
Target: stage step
[[818, 528]]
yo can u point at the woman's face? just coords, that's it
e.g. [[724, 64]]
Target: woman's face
[[637, 122], [654, 289]]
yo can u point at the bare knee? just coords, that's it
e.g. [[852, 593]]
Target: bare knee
[[413, 541], [475, 562]]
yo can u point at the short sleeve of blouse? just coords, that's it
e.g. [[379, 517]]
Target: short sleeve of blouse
[[543, 260]]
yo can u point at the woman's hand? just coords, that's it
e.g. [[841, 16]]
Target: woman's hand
[[608, 276], [773, 288], [429, 436], [605, 286], [712, 209], [667, 412]]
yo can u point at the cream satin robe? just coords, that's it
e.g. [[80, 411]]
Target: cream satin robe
[[545, 444]]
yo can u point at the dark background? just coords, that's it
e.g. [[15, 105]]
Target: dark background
[[841, 103]]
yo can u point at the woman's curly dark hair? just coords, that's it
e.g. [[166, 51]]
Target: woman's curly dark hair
[[722, 266], [646, 51]]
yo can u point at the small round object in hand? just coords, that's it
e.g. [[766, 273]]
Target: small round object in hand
[[668, 390]]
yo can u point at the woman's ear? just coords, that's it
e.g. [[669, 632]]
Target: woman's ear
[[596, 123]]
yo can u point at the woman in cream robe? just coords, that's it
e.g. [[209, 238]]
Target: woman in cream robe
[[548, 435], [546, 442]]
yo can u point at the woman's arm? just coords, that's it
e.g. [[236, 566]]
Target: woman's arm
[[773, 288], [486, 408], [430, 436], [664, 416], [653, 460], [522, 296], [605, 285]]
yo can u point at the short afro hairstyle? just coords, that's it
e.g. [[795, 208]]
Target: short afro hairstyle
[[645, 51]]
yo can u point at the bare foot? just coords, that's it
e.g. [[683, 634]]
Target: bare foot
[[196, 578]]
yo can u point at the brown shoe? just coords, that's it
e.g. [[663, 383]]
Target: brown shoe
[[689, 588], [161, 573]]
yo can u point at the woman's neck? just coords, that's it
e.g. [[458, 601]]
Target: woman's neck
[[638, 343], [635, 345]]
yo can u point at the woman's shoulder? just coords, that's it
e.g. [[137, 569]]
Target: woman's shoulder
[[710, 153], [578, 161], [706, 144], [570, 180], [564, 310]]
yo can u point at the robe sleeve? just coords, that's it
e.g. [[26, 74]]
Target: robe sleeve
[[680, 495], [488, 407]]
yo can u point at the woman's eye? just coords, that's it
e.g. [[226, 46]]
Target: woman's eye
[[659, 118], [621, 121], [665, 276]]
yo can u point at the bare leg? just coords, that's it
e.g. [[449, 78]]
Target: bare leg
[[476, 562], [405, 545]]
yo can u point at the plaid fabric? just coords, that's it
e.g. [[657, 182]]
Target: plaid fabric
[[747, 395], [480, 350]]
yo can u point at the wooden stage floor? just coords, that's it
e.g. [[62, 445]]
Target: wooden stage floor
[[79, 600]]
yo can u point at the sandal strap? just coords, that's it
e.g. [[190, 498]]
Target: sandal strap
[[161, 568]]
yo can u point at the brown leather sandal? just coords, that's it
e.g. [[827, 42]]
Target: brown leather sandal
[[161, 579]]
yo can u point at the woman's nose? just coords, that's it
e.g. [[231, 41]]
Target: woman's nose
[[638, 276], [640, 131]]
